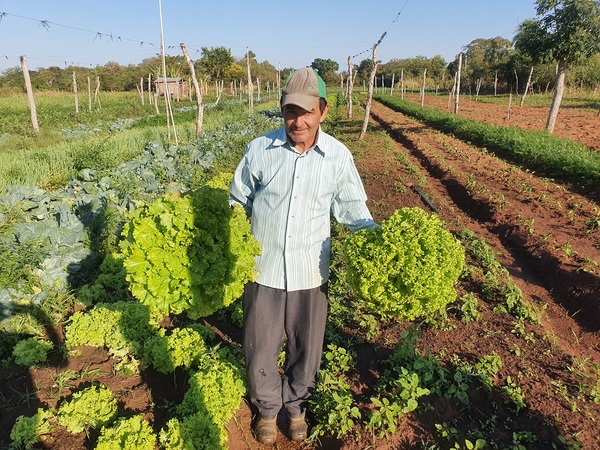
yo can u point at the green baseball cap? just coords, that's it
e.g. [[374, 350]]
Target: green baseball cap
[[302, 88]]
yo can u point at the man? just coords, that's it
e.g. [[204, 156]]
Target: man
[[289, 181]]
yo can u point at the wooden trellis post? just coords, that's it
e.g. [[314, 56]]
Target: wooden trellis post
[[30, 101], [75, 93], [363, 131], [89, 89], [200, 117], [96, 98], [527, 86], [250, 91], [350, 86], [456, 98], [423, 87], [402, 84]]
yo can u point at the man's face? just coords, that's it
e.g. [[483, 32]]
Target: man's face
[[302, 125]]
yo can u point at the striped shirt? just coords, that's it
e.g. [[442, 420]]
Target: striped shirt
[[289, 197]]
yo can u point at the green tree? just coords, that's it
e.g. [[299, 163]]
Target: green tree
[[565, 32], [363, 71], [12, 80], [216, 62], [324, 66]]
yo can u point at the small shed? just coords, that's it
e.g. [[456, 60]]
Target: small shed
[[177, 86]]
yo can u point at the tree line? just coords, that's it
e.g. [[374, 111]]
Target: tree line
[[564, 35], [493, 64]]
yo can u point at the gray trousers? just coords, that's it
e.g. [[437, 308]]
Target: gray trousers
[[271, 315]]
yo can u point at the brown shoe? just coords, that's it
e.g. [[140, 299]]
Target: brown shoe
[[298, 427], [265, 430]]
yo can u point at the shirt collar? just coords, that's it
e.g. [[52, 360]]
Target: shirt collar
[[281, 139]]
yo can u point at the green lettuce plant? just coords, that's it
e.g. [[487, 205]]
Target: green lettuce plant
[[189, 254], [182, 348], [215, 393], [93, 407], [407, 268], [28, 431], [121, 327], [196, 431], [133, 433], [31, 351]]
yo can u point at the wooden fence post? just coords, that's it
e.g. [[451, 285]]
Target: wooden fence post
[[349, 86], [200, 117], [423, 87], [527, 86], [250, 87], [372, 81], [30, 100], [89, 90], [402, 84], [75, 93], [457, 94], [96, 98]]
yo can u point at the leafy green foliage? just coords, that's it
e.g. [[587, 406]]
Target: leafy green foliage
[[196, 431], [536, 150], [31, 351], [216, 388], [514, 394], [191, 254], [468, 311], [496, 280], [332, 404], [122, 327], [487, 368], [93, 407], [133, 433], [182, 348], [400, 397], [19, 261], [28, 431], [109, 286], [214, 396], [408, 267], [439, 380]]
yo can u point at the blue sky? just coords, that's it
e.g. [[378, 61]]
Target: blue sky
[[287, 34]]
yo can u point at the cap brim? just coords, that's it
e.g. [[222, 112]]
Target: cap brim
[[307, 102]]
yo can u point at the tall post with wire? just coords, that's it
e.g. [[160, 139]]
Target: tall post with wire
[[166, 87], [363, 131]]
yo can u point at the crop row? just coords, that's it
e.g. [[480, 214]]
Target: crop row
[[535, 150]]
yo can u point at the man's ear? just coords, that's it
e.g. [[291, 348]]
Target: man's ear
[[324, 114]]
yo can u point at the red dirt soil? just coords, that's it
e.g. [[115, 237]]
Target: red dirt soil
[[540, 231]]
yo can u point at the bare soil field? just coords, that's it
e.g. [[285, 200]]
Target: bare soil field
[[540, 231], [543, 232], [578, 124]]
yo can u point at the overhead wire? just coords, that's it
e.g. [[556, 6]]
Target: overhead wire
[[47, 24], [386, 31]]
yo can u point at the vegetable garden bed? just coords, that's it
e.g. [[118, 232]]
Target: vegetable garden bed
[[514, 362]]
